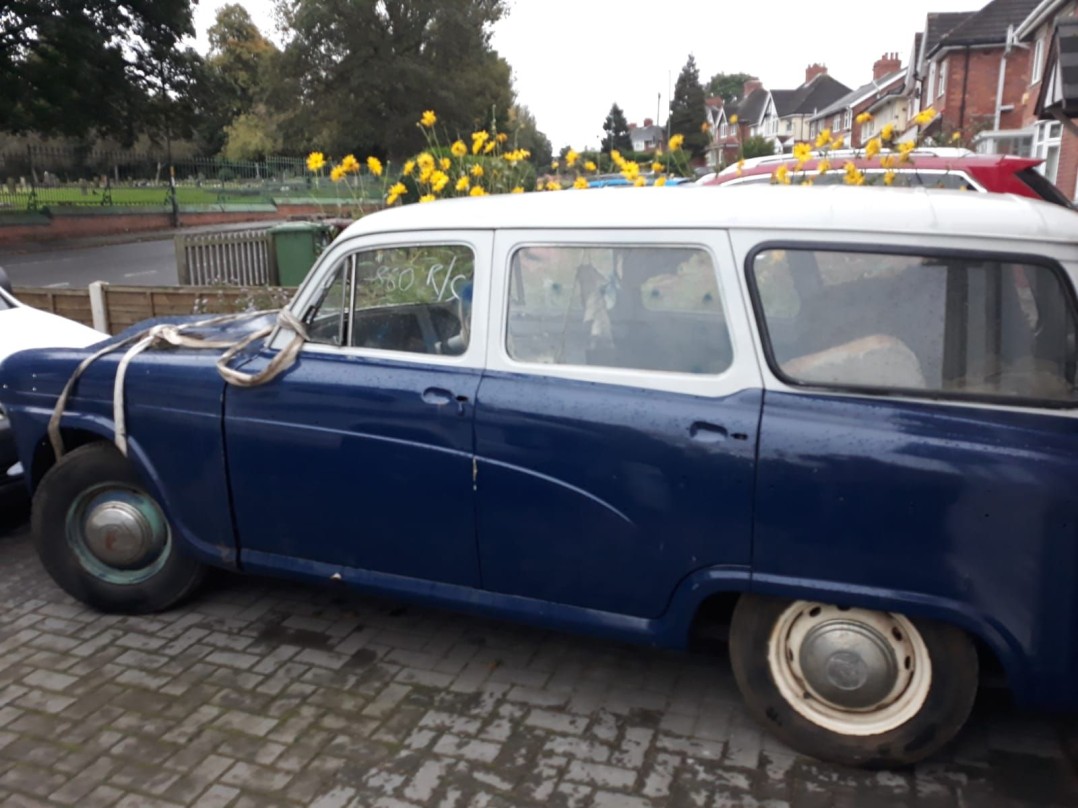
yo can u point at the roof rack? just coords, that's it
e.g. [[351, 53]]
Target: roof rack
[[924, 151]]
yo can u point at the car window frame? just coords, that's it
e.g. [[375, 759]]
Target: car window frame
[[744, 371], [979, 187], [479, 241], [921, 394]]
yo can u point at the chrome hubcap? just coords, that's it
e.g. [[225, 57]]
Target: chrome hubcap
[[121, 535], [118, 534], [848, 664]]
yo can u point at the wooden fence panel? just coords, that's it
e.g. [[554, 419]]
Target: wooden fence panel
[[244, 258]]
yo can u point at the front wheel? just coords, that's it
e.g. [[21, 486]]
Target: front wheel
[[853, 686], [104, 539]]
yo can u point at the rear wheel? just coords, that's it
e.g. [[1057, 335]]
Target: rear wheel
[[104, 539], [854, 686]]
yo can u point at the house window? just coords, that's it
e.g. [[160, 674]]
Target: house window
[[835, 123], [930, 90], [1038, 61], [942, 88], [1046, 140], [847, 120], [722, 131]]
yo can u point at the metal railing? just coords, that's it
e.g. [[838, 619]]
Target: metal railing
[[244, 258]]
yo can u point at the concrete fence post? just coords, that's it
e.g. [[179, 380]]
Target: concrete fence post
[[99, 309]]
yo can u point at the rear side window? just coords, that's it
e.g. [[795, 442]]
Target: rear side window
[[961, 325], [640, 307]]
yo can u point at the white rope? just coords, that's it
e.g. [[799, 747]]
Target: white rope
[[165, 335]]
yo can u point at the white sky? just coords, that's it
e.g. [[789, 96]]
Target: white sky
[[571, 59]]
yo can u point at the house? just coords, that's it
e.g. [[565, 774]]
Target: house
[[779, 115], [839, 117], [647, 137], [1049, 33], [969, 73], [795, 108]]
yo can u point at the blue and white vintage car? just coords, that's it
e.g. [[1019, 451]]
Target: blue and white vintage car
[[844, 420]]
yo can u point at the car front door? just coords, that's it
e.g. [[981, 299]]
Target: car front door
[[617, 419], [360, 456]]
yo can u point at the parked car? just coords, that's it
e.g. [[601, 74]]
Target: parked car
[[23, 327], [958, 169], [841, 418]]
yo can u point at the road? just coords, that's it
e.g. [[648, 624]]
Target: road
[[260, 694], [146, 263]]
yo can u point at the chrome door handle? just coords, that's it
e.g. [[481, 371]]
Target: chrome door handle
[[706, 432], [439, 397]]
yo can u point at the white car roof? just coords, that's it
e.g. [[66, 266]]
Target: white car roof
[[768, 207]]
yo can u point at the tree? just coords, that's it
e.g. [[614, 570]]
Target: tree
[[687, 109], [361, 85], [757, 146], [74, 67], [617, 131], [728, 86], [524, 134]]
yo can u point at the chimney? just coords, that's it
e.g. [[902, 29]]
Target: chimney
[[632, 126], [813, 70], [885, 65], [648, 122], [751, 86]]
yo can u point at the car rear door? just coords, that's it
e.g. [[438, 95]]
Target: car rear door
[[617, 419]]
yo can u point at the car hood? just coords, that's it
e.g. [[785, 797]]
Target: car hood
[[23, 327]]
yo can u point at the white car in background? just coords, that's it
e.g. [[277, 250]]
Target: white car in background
[[23, 327]]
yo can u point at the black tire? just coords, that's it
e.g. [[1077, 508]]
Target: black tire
[[946, 707], [176, 576]]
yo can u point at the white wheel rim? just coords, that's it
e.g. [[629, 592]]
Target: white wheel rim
[[850, 671]]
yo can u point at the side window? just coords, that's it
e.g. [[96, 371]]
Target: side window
[[943, 324], [413, 299], [646, 308]]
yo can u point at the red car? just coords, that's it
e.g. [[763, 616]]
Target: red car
[[928, 168]]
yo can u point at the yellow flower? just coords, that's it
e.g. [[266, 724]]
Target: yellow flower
[[428, 119], [823, 166], [463, 184], [904, 150], [477, 170], [888, 161], [425, 160], [571, 157], [808, 181], [487, 149], [425, 173], [639, 182], [676, 142], [438, 181], [590, 166], [630, 170], [823, 138], [656, 167], [802, 153], [740, 166], [396, 191], [409, 167], [864, 117], [350, 164], [660, 182], [956, 136], [853, 175], [315, 161], [838, 142], [445, 163], [552, 185], [705, 127], [733, 119], [872, 148], [925, 116], [427, 198], [580, 182], [502, 137], [616, 158], [889, 177], [517, 190], [478, 139], [782, 175], [337, 173], [477, 191], [887, 133], [375, 165], [458, 148]]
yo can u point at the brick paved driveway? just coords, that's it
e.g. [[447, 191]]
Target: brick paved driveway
[[261, 693]]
